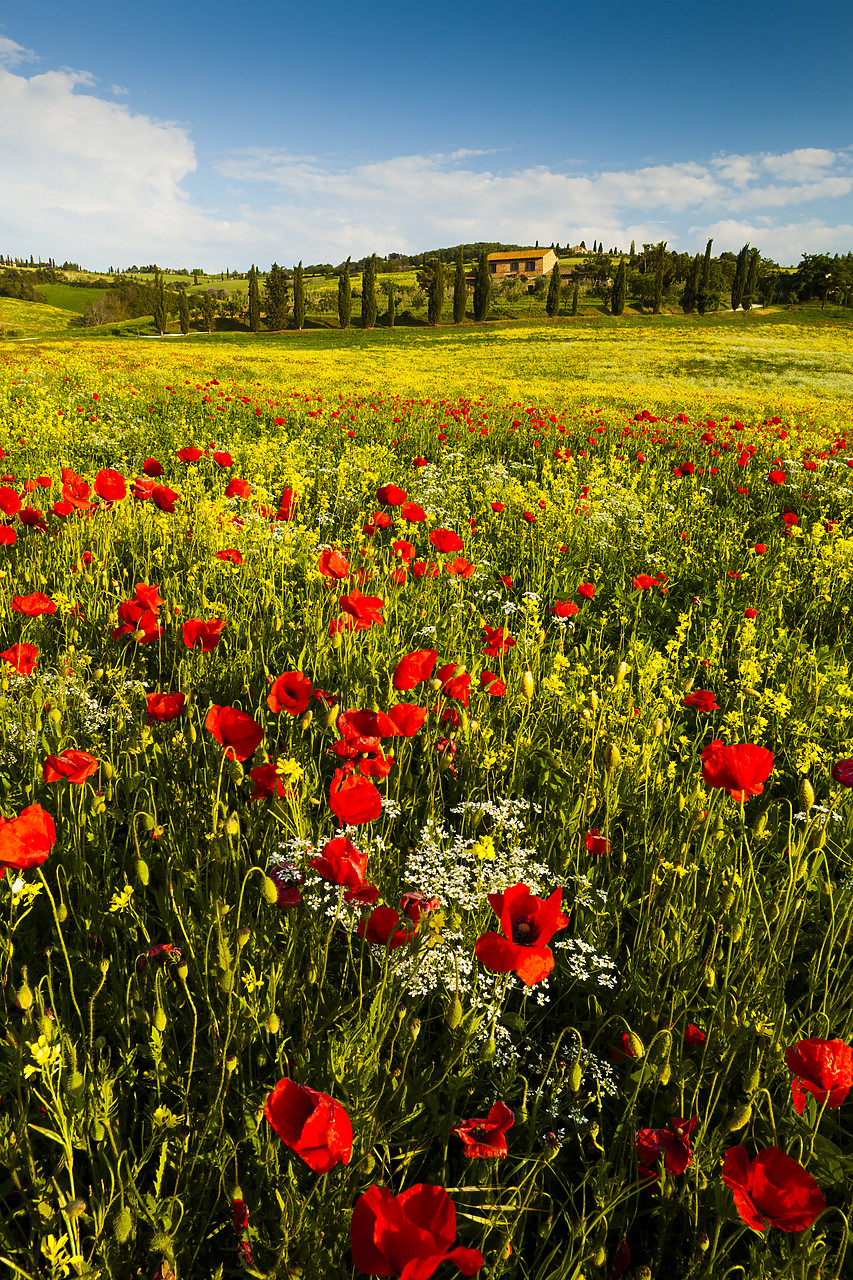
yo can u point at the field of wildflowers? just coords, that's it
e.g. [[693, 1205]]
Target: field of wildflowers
[[426, 814]]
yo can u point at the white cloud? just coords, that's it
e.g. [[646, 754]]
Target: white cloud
[[118, 90], [96, 182]]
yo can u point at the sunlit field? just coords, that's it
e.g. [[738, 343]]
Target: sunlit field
[[426, 790]]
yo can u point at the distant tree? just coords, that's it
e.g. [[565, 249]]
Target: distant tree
[[575, 295], [184, 312], [620, 289], [159, 302], [276, 297], [391, 312], [299, 297], [254, 301], [552, 302], [703, 297], [739, 281], [208, 311], [583, 245], [482, 287], [659, 268], [368, 294], [435, 297], [690, 293], [751, 280], [633, 253], [344, 297], [460, 291]]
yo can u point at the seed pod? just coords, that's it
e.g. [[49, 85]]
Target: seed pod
[[160, 1018], [612, 757], [740, 1117], [806, 794], [122, 1225], [273, 1024], [183, 971], [454, 1013], [244, 933], [142, 872], [414, 1029], [231, 1063], [527, 685]]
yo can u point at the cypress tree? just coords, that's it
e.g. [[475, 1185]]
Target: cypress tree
[[460, 291], [254, 301], [620, 289], [690, 293], [184, 312], [739, 281], [661, 258], [299, 297], [435, 300], [275, 296], [575, 294], [159, 302], [391, 313], [482, 287], [751, 280], [703, 297], [552, 302], [368, 294], [344, 297]]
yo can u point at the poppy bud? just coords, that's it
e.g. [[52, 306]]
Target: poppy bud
[[682, 801], [74, 1085], [148, 822], [55, 717], [817, 839], [635, 1044], [540, 639], [435, 684], [24, 995], [244, 933], [576, 1076], [599, 1258], [122, 1226], [612, 757], [806, 794], [305, 720], [487, 1053], [710, 977], [270, 891], [665, 1074], [98, 1131], [752, 1079], [703, 1242], [759, 824], [621, 672], [232, 825], [414, 1029], [527, 685], [231, 1062], [235, 771], [226, 981], [142, 872], [593, 701], [183, 971], [273, 1024], [740, 1117], [454, 1013], [192, 736], [727, 899], [160, 1018], [658, 727], [161, 1242], [737, 931]]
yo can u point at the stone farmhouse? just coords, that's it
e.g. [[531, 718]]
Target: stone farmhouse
[[526, 263]]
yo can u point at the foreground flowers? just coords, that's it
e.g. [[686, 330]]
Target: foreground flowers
[[311, 1123], [741, 770], [772, 1190], [824, 1068], [25, 841], [528, 924], [408, 1235]]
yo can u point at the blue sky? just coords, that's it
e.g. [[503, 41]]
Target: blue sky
[[228, 135]]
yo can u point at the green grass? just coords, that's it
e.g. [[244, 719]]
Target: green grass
[[69, 297]]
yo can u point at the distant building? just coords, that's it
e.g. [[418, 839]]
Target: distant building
[[529, 264]]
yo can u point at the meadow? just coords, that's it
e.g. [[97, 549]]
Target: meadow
[[426, 789]]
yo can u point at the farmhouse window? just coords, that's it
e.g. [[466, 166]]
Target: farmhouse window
[[530, 265], [513, 266], [493, 266]]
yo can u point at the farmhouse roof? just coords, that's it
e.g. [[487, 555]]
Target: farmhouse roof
[[517, 253]]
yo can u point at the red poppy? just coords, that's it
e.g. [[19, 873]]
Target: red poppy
[[596, 842], [750, 613], [407, 718], [33, 605], [26, 840], [408, 1235], [498, 641], [76, 766], [189, 454], [459, 567], [164, 498], [311, 1123], [416, 905], [363, 729], [824, 1068], [391, 496], [164, 706], [203, 634], [563, 608], [152, 467], [741, 769], [422, 569], [237, 732], [701, 700], [341, 863], [387, 928], [138, 621], [7, 536], [353, 799], [222, 458], [413, 668], [22, 658], [586, 589], [365, 610], [492, 685], [267, 783], [332, 564], [110, 485], [528, 924], [10, 503], [673, 1144], [287, 506], [772, 1190], [454, 686], [842, 772], [231, 555], [694, 1034], [413, 513], [760, 548], [75, 490], [287, 881], [32, 518], [486, 1138], [642, 582], [445, 540], [237, 488], [777, 477], [290, 693]]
